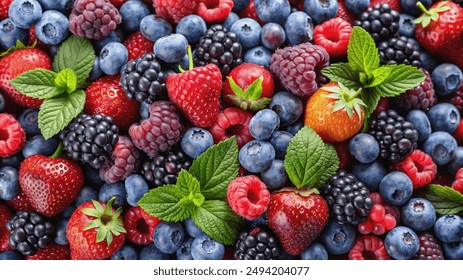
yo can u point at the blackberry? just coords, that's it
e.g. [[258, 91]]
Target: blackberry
[[429, 248], [399, 50], [164, 168], [257, 244], [143, 79], [348, 198], [90, 139], [29, 232], [397, 138], [220, 47], [421, 97], [381, 21]]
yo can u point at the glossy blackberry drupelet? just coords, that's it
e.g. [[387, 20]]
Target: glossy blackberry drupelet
[[348, 198], [143, 79], [164, 168], [429, 248], [380, 21], [397, 138], [90, 139], [399, 50], [220, 47], [29, 232], [257, 244]]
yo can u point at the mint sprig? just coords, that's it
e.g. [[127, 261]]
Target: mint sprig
[[444, 199]]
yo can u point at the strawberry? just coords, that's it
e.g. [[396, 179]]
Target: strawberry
[[4, 5], [196, 92], [439, 31], [5, 215], [20, 202], [52, 252], [297, 217], [335, 112], [174, 10], [138, 45], [95, 231]]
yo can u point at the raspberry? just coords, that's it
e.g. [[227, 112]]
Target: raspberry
[[429, 248], [214, 10], [298, 68], [140, 226], [368, 247], [138, 45], [174, 10], [456, 98], [12, 136], [122, 162], [93, 19], [232, 121], [380, 21], [458, 183], [160, 131], [419, 167], [257, 244], [248, 197], [334, 36], [421, 97]]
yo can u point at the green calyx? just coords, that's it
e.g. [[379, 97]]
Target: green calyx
[[347, 100], [106, 221], [19, 46], [430, 15], [249, 99], [190, 60]]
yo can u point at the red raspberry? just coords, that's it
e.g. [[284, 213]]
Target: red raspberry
[[138, 45], [458, 134], [20, 202], [345, 158], [214, 10], [52, 252], [12, 136], [458, 183], [344, 13], [5, 215], [334, 36], [248, 197], [4, 5], [429, 248], [140, 226], [250, 12], [174, 10], [123, 161], [419, 167], [368, 247], [232, 121]]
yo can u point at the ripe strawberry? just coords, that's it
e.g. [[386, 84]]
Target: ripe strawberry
[[105, 96], [297, 217], [174, 10], [95, 231], [16, 63], [5, 215], [214, 10], [4, 5], [138, 45], [52, 252], [20, 202], [335, 113]]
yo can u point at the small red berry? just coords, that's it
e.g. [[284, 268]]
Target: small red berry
[[389, 222], [232, 121], [248, 196], [420, 167], [458, 183], [214, 10], [458, 134], [334, 36], [138, 45], [368, 247], [12, 136], [377, 213], [140, 226]]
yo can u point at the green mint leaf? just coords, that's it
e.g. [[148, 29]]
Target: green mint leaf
[[76, 54], [235, 88], [217, 220], [343, 73], [362, 52], [37, 83], [331, 165], [56, 113], [216, 168], [379, 75], [446, 200], [371, 99], [66, 80], [400, 79], [254, 91], [190, 185]]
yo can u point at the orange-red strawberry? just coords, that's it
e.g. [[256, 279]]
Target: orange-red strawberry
[[52, 252], [95, 231], [5, 215], [138, 45], [174, 10], [334, 112]]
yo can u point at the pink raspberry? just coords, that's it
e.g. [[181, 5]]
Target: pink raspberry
[[420, 167], [123, 161], [368, 247], [248, 197], [12, 136], [233, 121]]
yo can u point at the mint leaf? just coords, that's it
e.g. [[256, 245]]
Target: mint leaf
[[37, 83], [217, 220], [379, 75], [66, 80], [216, 168], [331, 165], [362, 54], [76, 54], [190, 185], [56, 113], [400, 79], [371, 99], [446, 200], [343, 73]]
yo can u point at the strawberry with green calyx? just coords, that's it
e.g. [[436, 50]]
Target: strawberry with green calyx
[[95, 231]]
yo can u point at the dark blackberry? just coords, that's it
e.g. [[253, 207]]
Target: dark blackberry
[[220, 47], [429, 248], [399, 50], [90, 139], [348, 198], [29, 232], [143, 79], [421, 97], [380, 21], [257, 244], [164, 168], [397, 138]]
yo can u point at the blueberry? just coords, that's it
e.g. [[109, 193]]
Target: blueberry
[[441, 146], [132, 12], [196, 141], [287, 106], [230, 20], [263, 124], [12, 161], [272, 10], [206, 248], [9, 182], [457, 161], [58, 5], [107, 191], [150, 252], [135, 187], [453, 250], [428, 61], [25, 13], [92, 175], [402, 243], [444, 117], [60, 232], [321, 10], [126, 252], [248, 32], [10, 33], [356, 6], [259, 55], [154, 27], [39, 146], [280, 141], [364, 148], [275, 176], [111, 38], [256, 156], [193, 27], [421, 122], [338, 238], [295, 127], [449, 228], [419, 214], [410, 6], [184, 252], [192, 229], [371, 174], [299, 28], [406, 26], [446, 78], [144, 110], [2, 103], [96, 72], [168, 237], [272, 35], [171, 48], [316, 251], [52, 29], [86, 194], [29, 122], [396, 188], [240, 5], [67, 212], [11, 256], [112, 57]]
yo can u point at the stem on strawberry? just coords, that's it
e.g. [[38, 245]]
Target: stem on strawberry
[[58, 151], [423, 8], [190, 60]]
